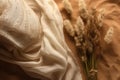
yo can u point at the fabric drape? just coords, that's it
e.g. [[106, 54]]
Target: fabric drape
[[31, 36]]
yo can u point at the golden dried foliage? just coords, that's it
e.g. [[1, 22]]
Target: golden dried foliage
[[67, 6], [87, 36], [109, 35], [69, 28]]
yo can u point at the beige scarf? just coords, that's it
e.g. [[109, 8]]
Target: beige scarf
[[31, 36]]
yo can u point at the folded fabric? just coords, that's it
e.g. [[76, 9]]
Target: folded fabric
[[31, 36]]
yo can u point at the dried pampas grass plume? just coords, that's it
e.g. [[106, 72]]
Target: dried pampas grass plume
[[82, 9], [100, 17], [80, 23], [81, 4], [77, 41], [79, 30], [69, 28], [87, 35], [109, 34], [67, 6]]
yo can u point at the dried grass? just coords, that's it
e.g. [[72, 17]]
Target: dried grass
[[87, 36]]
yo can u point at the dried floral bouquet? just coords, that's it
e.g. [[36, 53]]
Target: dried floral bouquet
[[87, 35]]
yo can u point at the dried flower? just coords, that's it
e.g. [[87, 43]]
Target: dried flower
[[100, 17], [80, 23], [87, 36], [82, 5], [83, 9], [77, 42], [92, 73], [69, 28], [90, 47], [109, 34], [79, 27], [67, 6], [83, 58], [77, 30], [93, 70]]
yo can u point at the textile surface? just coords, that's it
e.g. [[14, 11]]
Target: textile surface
[[31, 36]]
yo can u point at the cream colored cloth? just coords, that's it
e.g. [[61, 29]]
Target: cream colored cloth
[[31, 36]]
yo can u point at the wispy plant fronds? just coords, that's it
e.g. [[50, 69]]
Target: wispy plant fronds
[[81, 4], [100, 17], [109, 35], [87, 36], [80, 23], [79, 30], [69, 28], [82, 9], [67, 6], [77, 41]]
